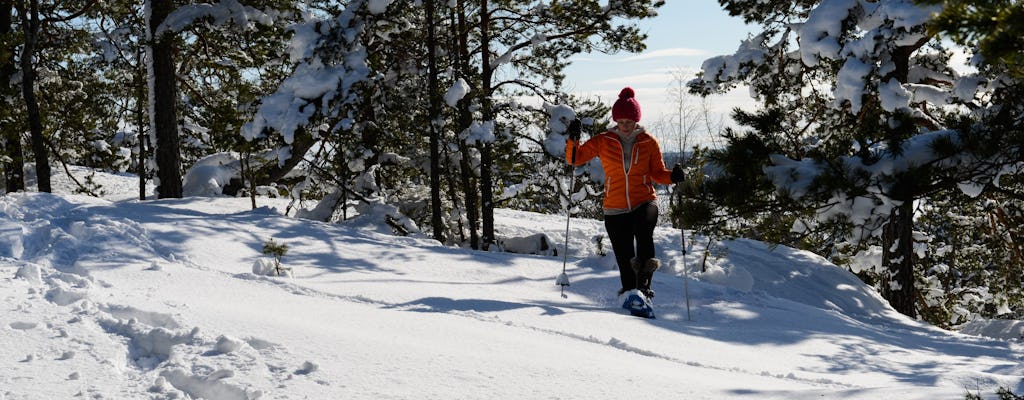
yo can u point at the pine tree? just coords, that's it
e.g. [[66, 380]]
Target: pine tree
[[30, 26], [10, 130], [277, 251], [995, 28], [862, 94], [62, 101]]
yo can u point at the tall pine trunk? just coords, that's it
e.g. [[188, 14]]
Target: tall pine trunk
[[140, 121], [14, 165], [468, 178], [486, 156], [898, 260], [435, 114], [898, 234], [30, 26], [165, 115]]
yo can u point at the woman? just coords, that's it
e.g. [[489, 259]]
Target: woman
[[632, 163]]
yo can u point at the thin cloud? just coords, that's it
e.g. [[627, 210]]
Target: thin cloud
[[638, 79], [664, 53]]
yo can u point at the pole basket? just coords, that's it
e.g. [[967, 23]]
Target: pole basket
[[562, 280]]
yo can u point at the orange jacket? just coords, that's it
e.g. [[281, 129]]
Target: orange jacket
[[624, 191]]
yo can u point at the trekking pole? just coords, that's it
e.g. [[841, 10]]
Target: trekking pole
[[563, 279], [682, 241], [686, 277]]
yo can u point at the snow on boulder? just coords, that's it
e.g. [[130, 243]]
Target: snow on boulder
[[732, 276], [995, 328], [263, 266], [210, 174], [538, 243], [267, 266]]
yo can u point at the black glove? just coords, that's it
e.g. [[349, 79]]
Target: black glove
[[575, 129], [678, 175]]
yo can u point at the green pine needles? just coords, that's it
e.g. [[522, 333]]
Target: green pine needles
[[276, 250], [272, 248], [1003, 393]]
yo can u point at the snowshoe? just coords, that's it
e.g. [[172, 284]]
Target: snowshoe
[[637, 304]]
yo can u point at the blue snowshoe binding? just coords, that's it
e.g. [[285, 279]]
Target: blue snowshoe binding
[[638, 304]]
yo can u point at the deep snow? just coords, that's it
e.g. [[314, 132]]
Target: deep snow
[[119, 299]]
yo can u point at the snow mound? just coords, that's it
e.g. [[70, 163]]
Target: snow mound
[[995, 328], [798, 276], [210, 174]]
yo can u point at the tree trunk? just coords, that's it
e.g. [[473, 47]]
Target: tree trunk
[[898, 259], [899, 288], [465, 119], [458, 233], [14, 168], [30, 22], [165, 115], [486, 156], [140, 118], [369, 136], [435, 113]]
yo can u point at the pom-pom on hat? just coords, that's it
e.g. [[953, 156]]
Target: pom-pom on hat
[[626, 107]]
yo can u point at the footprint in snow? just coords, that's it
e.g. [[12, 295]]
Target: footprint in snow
[[23, 326], [308, 367]]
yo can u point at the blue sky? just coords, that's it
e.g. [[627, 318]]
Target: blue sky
[[681, 37]]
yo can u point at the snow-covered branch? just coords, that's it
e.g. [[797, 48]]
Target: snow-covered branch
[[223, 13], [324, 75]]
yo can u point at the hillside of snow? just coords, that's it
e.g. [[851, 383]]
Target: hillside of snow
[[115, 298]]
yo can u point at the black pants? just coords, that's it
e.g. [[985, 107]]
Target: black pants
[[626, 229]]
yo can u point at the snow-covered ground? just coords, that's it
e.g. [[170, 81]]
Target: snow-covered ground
[[119, 299]]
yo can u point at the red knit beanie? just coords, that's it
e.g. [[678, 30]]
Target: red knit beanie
[[626, 106]]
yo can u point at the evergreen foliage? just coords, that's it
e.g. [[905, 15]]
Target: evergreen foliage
[[277, 251], [869, 136], [1003, 393], [995, 28]]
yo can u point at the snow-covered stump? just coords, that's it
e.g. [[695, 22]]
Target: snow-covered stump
[[267, 266]]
